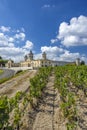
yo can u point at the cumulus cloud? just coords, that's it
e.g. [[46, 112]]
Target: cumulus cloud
[[20, 36], [9, 47], [46, 6], [51, 49], [11, 39], [54, 40], [60, 54], [15, 53], [68, 56], [3, 40], [73, 33], [52, 52], [28, 45], [38, 56], [5, 29]]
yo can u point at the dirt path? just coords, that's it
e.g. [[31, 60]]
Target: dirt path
[[82, 114], [19, 83], [45, 116], [44, 119]]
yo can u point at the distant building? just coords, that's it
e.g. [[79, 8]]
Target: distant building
[[11, 63], [78, 61], [44, 62], [29, 61]]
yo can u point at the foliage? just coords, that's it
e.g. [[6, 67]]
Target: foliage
[[0, 57], [17, 117], [4, 112], [39, 82], [4, 80], [82, 63], [7, 105], [3, 62], [1, 71], [66, 78]]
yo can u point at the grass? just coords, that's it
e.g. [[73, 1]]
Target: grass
[[1, 71], [4, 79]]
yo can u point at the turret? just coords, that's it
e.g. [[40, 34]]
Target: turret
[[25, 57], [30, 55], [10, 63], [77, 61], [44, 56]]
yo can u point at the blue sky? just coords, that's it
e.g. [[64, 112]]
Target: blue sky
[[58, 27]]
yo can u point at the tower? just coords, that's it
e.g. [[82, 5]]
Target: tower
[[30, 55], [77, 61], [44, 56], [25, 57], [10, 63]]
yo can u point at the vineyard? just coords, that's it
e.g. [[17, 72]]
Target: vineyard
[[71, 83], [61, 90]]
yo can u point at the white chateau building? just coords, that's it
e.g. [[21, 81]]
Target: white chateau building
[[44, 62]]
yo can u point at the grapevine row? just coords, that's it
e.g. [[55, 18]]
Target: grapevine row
[[69, 80], [11, 106]]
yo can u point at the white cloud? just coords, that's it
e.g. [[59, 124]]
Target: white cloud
[[38, 56], [11, 39], [28, 45], [3, 40], [5, 29], [20, 36], [73, 33], [46, 6], [51, 49], [54, 40], [14, 53], [22, 29], [6, 41], [60, 54], [52, 52], [9, 47], [68, 56], [11, 51]]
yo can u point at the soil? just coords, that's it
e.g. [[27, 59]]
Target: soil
[[19, 83], [46, 115], [82, 113]]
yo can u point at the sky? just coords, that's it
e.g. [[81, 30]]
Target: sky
[[57, 27]]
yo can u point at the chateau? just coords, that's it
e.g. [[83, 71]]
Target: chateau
[[29, 61], [44, 62]]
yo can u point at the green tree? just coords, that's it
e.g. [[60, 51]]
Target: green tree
[[0, 57], [82, 63]]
